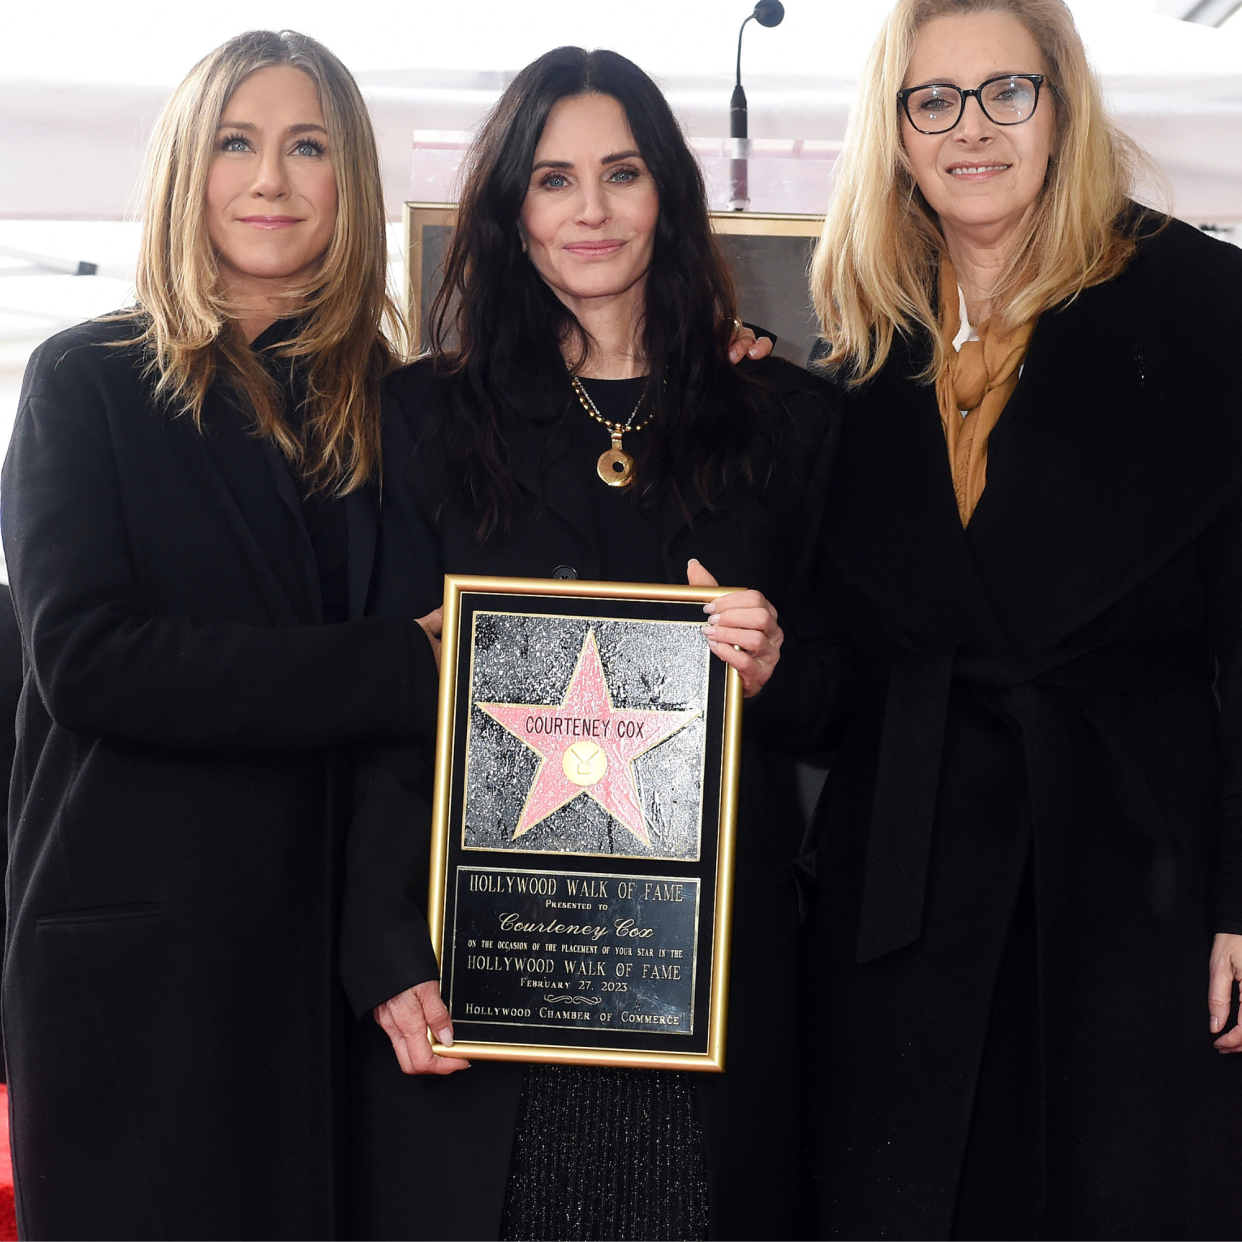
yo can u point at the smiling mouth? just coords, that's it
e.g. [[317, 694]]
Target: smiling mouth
[[269, 222], [976, 170], [595, 249]]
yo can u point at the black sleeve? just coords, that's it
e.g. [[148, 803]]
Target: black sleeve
[[812, 690], [385, 941], [762, 332], [105, 665], [1221, 560]]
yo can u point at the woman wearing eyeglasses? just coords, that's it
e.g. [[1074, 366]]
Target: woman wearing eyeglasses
[[1031, 839]]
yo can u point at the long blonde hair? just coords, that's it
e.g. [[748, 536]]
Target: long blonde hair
[[348, 322], [875, 267]]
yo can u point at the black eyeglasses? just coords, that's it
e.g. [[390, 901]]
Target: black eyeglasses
[[938, 107]]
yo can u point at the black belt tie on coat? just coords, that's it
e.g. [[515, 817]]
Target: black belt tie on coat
[[908, 772]]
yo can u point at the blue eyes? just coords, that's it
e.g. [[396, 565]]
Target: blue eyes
[[239, 144], [618, 176]]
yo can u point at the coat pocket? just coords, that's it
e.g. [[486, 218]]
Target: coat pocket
[[102, 914]]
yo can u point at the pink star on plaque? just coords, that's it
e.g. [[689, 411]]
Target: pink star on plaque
[[586, 746]]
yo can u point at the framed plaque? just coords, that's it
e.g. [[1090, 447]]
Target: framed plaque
[[583, 838]]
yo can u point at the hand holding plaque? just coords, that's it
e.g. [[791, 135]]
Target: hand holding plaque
[[585, 788]]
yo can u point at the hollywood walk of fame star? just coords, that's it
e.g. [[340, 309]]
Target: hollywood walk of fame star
[[586, 746]]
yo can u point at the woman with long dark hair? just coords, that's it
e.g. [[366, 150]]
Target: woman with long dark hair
[[190, 520], [580, 418]]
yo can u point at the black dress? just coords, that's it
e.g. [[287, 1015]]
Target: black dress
[[609, 1153], [172, 1013], [441, 1157], [1034, 822]]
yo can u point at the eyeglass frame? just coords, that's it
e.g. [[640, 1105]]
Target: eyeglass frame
[[903, 99]]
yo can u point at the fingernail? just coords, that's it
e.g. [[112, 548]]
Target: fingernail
[[710, 607], [1215, 1025], [713, 620], [753, 351], [445, 1037], [694, 560]]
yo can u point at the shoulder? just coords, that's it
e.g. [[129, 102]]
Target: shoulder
[[89, 346], [409, 383], [412, 393], [803, 448], [785, 378], [809, 397], [1183, 262], [98, 352]]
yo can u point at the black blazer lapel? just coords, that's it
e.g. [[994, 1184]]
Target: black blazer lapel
[[539, 459], [266, 533], [891, 524], [303, 552], [1095, 478], [675, 516], [362, 532]]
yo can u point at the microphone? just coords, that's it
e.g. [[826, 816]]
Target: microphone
[[766, 13]]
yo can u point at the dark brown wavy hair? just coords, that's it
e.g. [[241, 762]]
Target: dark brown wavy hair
[[497, 329]]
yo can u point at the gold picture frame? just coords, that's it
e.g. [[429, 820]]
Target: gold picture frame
[[461, 866], [768, 253]]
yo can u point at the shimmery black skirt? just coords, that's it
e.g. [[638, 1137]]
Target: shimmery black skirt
[[606, 1153]]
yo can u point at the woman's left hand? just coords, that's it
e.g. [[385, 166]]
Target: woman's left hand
[[745, 344], [432, 624], [741, 629], [1224, 968]]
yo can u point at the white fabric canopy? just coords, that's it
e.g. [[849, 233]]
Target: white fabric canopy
[[80, 83]]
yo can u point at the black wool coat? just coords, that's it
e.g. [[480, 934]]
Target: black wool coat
[[1046, 753], [432, 1153], [11, 676], [171, 1004]]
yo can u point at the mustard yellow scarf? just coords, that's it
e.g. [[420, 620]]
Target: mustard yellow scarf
[[976, 380]]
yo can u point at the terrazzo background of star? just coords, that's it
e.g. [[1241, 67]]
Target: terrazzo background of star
[[520, 658]]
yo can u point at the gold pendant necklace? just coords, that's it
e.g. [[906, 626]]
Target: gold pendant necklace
[[615, 466]]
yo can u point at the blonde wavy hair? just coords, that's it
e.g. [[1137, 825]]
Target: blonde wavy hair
[[875, 267], [350, 330]]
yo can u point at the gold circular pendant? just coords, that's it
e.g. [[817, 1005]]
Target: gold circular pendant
[[615, 467], [584, 763]]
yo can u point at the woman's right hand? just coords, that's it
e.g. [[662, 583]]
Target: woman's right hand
[[1224, 969], [408, 1018]]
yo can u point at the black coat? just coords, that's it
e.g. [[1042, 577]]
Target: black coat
[[170, 995], [432, 1154], [1045, 759], [11, 676]]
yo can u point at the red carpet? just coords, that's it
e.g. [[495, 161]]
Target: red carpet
[[8, 1215]]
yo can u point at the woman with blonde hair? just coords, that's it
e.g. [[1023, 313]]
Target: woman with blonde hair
[[190, 521], [1032, 835]]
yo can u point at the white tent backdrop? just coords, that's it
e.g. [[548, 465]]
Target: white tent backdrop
[[81, 83]]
